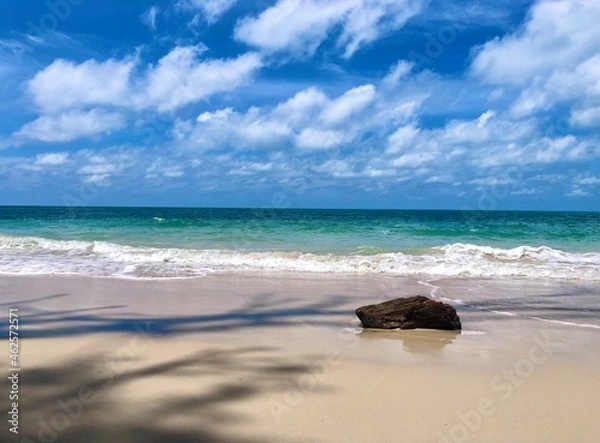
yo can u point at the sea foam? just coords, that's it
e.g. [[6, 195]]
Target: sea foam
[[40, 256]]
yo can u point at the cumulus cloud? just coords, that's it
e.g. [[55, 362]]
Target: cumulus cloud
[[408, 125], [558, 34], [402, 139], [552, 59], [67, 85], [89, 98], [47, 162], [490, 140], [178, 78], [388, 125], [70, 125], [226, 128], [301, 26], [315, 138], [307, 120], [302, 106], [340, 109]]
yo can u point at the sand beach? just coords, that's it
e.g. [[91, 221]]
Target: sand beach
[[282, 358]]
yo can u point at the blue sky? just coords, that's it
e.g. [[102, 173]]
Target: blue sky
[[301, 103]]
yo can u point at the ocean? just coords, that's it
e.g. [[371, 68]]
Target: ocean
[[152, 243]]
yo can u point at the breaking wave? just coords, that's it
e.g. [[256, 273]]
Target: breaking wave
[[40, 256]]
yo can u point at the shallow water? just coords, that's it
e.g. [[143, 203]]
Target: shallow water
[[179, 242]]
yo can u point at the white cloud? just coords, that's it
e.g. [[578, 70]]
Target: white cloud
[[398, 72], [349, 103], [101, 168], [526, 191], [262, 133], [221, 114], [97, 169], [490, 181], [499, 117], [558, 34], [164, 168], [335, 168], [301, 107], [212, 10], [587, 180], [307, 120], [413, 159], [487, 128], [77, 100], [65, 85], [180, 78], [488, 141], [586, 117], [578, 192], [387, 124], [383, 137], [45, 162], [300, 26], [403, 139], [51, 159], [251, 168], [149, 17], [225, 128], [316, 139], [70, 126], [552, 59], [98, 174]]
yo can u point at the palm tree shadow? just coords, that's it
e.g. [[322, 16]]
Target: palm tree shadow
[[263, 310], [209, 385], [95, 400]]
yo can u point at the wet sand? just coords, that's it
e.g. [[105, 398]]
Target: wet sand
[[283, 359]]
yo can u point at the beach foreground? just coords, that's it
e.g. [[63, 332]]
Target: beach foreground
[[282, 358]]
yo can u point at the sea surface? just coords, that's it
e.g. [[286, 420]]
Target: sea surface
[[185, 242]]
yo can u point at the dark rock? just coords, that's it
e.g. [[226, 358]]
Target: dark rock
[[410, 313]]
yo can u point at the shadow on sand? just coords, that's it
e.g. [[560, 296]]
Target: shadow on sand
[[191, 398], [263, 310], [211, 384]]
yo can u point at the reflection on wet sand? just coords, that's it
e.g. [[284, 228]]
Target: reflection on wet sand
[[422, 341]]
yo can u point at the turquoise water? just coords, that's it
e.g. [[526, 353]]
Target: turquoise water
[[176, 242]]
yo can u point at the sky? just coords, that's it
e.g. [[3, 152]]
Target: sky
[[415, 104]]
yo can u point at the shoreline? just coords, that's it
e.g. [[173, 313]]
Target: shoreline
[[276, 308], [254, 358]]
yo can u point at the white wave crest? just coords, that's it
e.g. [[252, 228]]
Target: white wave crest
[[33, 255]]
